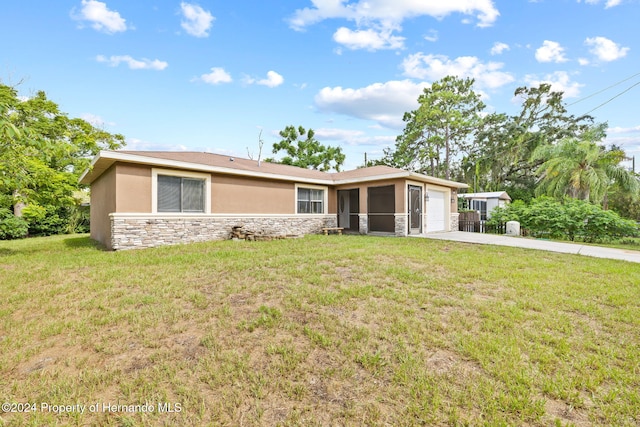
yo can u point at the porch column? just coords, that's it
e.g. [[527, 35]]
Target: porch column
[[401, 224], [363, 225], [455, 221]]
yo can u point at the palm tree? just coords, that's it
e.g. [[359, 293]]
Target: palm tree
[[581, 168]]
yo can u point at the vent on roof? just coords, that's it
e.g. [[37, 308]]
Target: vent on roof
[[231, 159]]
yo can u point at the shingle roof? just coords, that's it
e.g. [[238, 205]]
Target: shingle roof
[[231, 162], [191, 160]]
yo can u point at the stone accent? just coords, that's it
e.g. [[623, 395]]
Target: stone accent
[[147, 231], [455, 216], [401, 224], [363, 223]]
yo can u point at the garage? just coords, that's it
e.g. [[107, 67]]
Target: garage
[[436, 211]]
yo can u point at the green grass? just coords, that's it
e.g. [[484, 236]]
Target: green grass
[[629, 243], [324, 330], [626, 243]]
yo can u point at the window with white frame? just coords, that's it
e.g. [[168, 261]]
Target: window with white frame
[[310, 200], [181, 194], [480, 206]]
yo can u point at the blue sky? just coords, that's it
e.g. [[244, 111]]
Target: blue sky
[[210, 75]]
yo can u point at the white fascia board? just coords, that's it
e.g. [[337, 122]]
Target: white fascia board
[[402, 174], [439, 181], [91, 165]]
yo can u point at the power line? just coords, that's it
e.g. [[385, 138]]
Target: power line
[[611, 99], [603, 90]]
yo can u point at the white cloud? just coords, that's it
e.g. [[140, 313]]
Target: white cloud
[[617, 130], [550, 51], [273, 80], [436, 67], [134, 64], [100, 17], [498, 48], [391, 13], [605, 49], [368, 39], [384, 103], [140, 145], [197, 21], [95, 120], [628, 140], [607, 4], [354, 137], [216, 76], [560, 81], [432, 36], [583, 61]]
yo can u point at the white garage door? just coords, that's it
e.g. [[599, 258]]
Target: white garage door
[[436, 211]]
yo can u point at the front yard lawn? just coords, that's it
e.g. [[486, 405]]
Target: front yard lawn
[[323, 330]]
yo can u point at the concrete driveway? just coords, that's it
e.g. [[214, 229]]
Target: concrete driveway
[[543, 245]]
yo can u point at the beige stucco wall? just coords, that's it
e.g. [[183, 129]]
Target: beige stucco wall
[[103, 202], [454, 204], [332, 201], [251, 196], [133, 184], [127, 188]]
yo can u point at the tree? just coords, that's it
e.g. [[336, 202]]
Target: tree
[[440, 129], [42, 154], [624, 203], [501, 159], [307, 153], [581, 168]]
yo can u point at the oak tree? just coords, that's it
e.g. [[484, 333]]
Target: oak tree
[[304, 150]]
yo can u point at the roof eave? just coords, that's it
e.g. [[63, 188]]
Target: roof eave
[[437, 181], [113, 156], [86, 177], [105, 159], [401, 174]]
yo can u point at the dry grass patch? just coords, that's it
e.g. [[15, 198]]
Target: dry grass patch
[[338, 330]]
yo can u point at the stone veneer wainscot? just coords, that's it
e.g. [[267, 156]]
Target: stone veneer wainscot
[[455, 221], [401, 224], [131, 231]]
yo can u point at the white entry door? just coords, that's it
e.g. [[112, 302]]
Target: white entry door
[[436, 211]]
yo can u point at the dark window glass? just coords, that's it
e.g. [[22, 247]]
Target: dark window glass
[[177, 194]]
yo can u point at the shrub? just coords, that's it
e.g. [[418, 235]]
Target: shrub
[[570, 219], [12, 227], [545, 217], [49, 220], [53, 221], [78, 219]]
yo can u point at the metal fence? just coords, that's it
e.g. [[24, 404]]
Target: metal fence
[[482, 227]]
